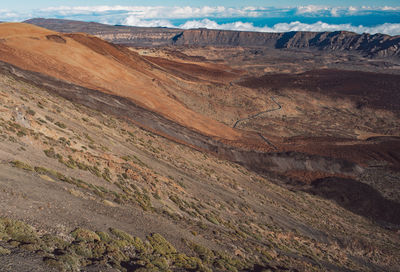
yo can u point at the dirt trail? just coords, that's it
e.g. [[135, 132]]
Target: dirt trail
[[258, 114]]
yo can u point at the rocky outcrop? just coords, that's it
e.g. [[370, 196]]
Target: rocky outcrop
[[204, 37], [378, 45], [373, 45]]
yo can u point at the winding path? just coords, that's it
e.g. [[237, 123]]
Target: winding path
[[258, 114]]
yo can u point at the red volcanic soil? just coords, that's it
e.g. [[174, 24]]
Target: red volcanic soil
[[93, 63], [380, 91], [204, 71]]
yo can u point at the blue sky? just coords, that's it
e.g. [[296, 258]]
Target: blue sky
[[381, 16], [34, 4]]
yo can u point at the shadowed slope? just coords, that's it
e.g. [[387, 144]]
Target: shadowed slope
[[359, 198]]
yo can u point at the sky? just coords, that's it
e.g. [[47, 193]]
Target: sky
[[29, 4], [381, 16]]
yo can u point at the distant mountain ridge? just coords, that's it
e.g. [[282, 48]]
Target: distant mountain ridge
[[377, 45]]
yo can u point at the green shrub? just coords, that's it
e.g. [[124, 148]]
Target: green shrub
[[50, 119], [204, 253], [64, 262], [105, 237], [21, 133], [60, 125], [187, 263], [212, 219], [94, 170], [21, 165], [43, 171], [143, 200], [70, 163], [160, 244], [4, 251], [107, 175], [18, 231], [81, 249], [161, 263], [31, 112], [53, 242], [85, 235], [122, 235], [50, 153]]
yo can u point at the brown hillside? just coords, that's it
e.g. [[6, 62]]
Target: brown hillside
[[90, 62]]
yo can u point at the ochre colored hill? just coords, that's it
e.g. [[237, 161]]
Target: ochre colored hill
[[93, 63], [205, 71]]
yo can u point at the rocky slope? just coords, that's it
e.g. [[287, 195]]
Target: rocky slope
[[105, 152], [97, 192], [378, 45]]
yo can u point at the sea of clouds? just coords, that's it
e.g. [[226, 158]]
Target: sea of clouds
[[210, 17]]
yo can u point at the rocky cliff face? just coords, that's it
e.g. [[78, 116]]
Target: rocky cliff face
[[378, 45], [372, 45], [205, 37]]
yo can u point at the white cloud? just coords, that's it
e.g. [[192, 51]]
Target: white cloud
[[386, 8], [311, 9], [135, 21], [157, 12], [194, 16], [206, 23], [391, 29], [119, 12]]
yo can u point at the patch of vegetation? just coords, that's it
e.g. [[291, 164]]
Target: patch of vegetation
[[30, 112], [89, 138], [218, 260], [50, 153], [94, 170], [64, 141], [106, 175], [134, 159], [22, 165], [85, 235], [143, 200], [40, 120], [21, 133], [116, 248], [45, 171], [122, 235], [60, 125], [4, 251], [50, 119], [212, 219], [12, 230], [98, 190], [160, 245]]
